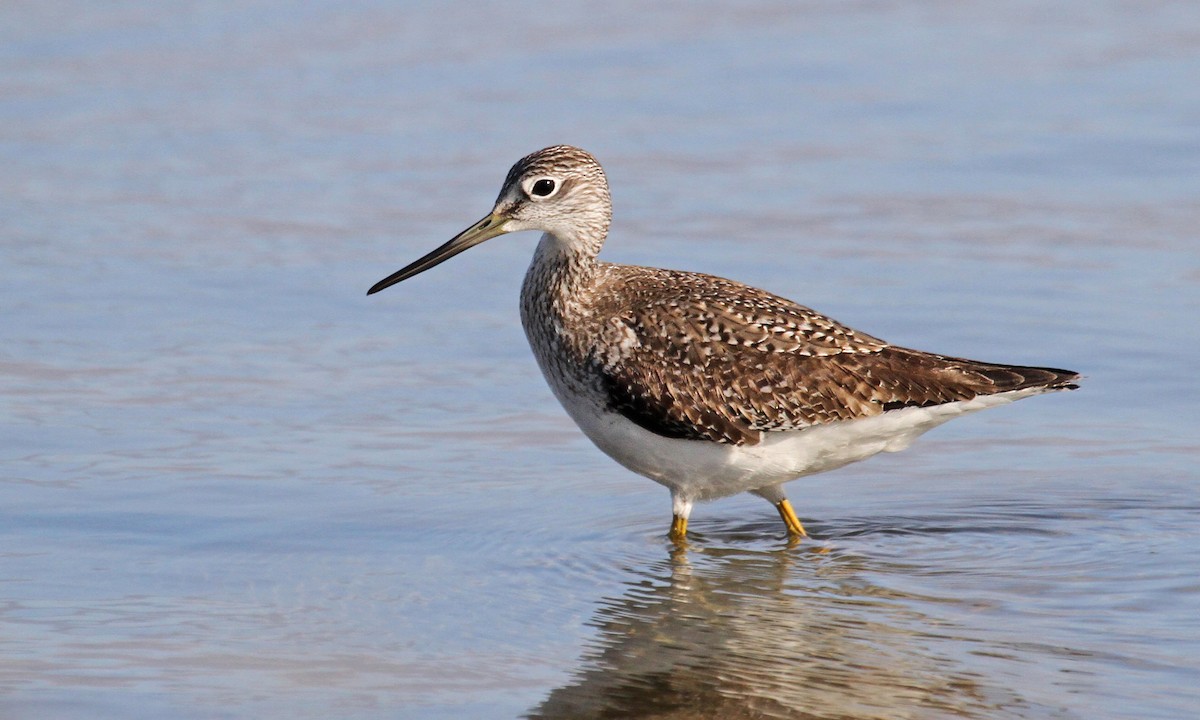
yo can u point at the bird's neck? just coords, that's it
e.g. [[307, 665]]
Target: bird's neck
[[557, 286], [561, 269], [557, 313]]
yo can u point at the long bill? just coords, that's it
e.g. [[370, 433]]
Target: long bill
[[485, 229]]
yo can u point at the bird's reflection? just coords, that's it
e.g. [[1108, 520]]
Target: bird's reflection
[[751, 632]]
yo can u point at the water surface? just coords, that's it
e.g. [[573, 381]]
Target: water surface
[[233, 486]]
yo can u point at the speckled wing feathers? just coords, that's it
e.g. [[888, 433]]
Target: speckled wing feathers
[[694, 356]]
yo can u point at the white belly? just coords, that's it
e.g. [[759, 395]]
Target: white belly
[[701, 470]]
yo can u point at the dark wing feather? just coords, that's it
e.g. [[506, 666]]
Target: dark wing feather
[[699, 357]]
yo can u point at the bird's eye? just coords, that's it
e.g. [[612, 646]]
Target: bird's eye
[[543, 188]]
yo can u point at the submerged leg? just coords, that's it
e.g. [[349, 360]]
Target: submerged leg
[[795, 529], [681, 508], [774, 495], [678, 527]]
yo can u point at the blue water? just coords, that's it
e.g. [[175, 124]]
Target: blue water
[[231, 485]]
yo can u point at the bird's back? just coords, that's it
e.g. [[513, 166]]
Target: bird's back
[[695, 356]]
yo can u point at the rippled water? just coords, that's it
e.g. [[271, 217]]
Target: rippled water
[[233, 486]]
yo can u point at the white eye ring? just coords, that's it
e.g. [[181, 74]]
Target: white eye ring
[[541, 188]]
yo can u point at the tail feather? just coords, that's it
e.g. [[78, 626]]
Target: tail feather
[[961, 378], [1005, 378]]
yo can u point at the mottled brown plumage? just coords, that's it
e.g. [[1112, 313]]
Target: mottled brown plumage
[[700, 357]]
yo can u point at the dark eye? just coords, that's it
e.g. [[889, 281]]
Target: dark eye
[[542, 187]]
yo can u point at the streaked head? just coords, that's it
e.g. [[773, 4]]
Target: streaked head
[[560, 190]]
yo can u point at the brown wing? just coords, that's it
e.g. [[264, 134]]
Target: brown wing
[[705, 358]]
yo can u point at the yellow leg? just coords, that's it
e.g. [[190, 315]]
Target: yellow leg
[[678, 527], [795, 529]]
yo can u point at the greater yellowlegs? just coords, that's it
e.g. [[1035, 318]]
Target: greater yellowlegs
[[705, 385]]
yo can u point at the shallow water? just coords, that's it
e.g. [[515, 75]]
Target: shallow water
[[233, 486]]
